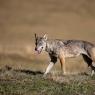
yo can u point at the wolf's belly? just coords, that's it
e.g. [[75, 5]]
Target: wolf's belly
[[71, 53]]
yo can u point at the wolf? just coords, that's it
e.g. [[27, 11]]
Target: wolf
[[61, 49]]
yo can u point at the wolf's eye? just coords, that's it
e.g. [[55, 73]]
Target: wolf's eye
[[40, 43]]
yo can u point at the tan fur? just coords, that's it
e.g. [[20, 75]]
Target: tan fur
[[62, 62]]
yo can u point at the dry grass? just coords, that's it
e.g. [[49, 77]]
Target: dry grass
[[22, 82]]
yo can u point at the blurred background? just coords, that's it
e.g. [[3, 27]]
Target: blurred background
[[60, 19]]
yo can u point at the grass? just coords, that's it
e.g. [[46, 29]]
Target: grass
[[28, 82], [22, 76]]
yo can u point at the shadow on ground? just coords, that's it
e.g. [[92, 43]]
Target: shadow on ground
[[30, 72]]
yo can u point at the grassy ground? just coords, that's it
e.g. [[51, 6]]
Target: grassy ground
[[22, 80]]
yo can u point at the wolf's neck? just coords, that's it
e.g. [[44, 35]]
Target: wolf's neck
[[49, 46]]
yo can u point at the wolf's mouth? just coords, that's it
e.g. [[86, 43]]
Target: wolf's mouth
[[39, 51]]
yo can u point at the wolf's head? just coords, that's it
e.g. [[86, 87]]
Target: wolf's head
[[40, 43]]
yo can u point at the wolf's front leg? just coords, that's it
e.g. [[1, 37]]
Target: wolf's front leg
[[51, 64], [62, 61]]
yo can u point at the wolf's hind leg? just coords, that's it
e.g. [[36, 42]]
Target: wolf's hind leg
[[92, 72], [92, 54], [93, 68], [89, 61]]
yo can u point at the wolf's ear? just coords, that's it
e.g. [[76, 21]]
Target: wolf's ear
[[35, 36], [45, 36]]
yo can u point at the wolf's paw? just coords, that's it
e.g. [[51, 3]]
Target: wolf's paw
[[44, 76]]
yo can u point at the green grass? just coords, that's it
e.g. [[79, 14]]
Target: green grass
[[25, 78], [23, 83]]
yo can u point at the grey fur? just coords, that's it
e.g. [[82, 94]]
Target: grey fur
[[65, 48]]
